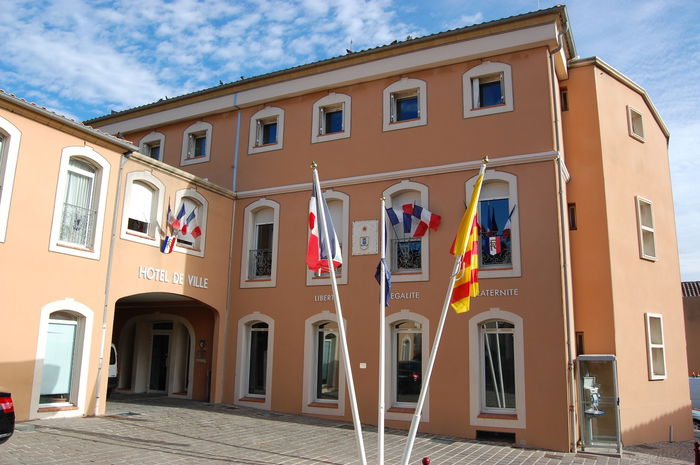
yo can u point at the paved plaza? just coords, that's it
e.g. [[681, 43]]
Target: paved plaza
[[159, 430]]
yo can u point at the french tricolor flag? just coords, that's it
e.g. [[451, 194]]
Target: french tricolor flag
[[426, 218], [316, 255], [176, 221], [168, 244]]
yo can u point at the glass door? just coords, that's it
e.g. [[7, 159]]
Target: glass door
[[599, 415]]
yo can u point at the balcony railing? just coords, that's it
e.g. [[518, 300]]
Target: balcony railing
[[405, 255], [259, 263], [78, 226]]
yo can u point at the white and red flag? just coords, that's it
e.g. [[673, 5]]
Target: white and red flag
[[316, 256]]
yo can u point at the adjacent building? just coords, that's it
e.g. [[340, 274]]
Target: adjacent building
[[579, 303]]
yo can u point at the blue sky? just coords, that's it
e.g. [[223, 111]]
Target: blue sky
[[84, 58]]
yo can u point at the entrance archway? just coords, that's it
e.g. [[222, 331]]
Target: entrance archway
[[165, 345]]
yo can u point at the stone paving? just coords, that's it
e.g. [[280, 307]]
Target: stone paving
[[159, 430]]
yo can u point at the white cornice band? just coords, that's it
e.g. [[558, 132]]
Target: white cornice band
[[404, 174]]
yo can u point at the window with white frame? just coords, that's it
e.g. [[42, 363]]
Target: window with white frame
[[635, 124], [496, 369], [254, 360], [406, 352], [266, 130], [80, 203], [487, 89], [261, 231], [196, 144], [153, 145], [339, 207], [498, 216], [407, 362], [143, 206], [331, 118], [63, 347], [324, 383], [405, 104], [192, 235], [655, 346], [645, 228], [407, 255], [9, 150]]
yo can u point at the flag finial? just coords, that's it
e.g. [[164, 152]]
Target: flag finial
[[485, 159], [382, 198], [313, 165]]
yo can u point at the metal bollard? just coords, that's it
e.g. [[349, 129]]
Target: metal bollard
[[426, 460], [697, 453]]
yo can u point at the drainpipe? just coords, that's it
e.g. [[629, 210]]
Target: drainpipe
[[108, 280], [565, 253], [224, 342]]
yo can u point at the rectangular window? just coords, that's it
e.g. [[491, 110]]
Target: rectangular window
[[635, 124], [260, 260], [266, 132], [197, 145], [405, 106], [406, 255], [655, 346], [78, 219], [140, 207], [407, 361], [154, 151], [645, 223], [488, 90], [498, 366], [572, 216], [257, 362], [494, 216], [327, 373], [331, 120], [57, 375], [564, 100]]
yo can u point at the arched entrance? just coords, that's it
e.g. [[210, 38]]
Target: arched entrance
[[164, 344]]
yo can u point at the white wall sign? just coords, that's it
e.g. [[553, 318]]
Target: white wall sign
[[499, 292], [164, 276], [364, 237]]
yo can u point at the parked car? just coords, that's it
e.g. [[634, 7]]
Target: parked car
[[113, 377], [696, 418], [7, 416]]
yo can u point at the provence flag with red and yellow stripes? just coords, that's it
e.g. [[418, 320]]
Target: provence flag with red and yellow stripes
[[466, 245]]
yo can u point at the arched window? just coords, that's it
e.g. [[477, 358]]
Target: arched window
[[498, 215], [331, 118], [254, 360], [407, 353], [192, 236], [9, 150], [405, 104], [62, 360], [261, 230], [487, 89], [143, 206], [196, 144], [153, 145], [324, 378], [339, 207], [407, 255], [266, 130], [497, 369], [80, 203]]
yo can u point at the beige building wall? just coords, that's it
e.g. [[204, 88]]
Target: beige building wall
[[621, 169]]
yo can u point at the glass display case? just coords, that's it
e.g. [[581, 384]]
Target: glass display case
[[599, 416]]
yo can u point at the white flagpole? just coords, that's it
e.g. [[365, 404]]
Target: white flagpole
[[433, 353], [341, 322], [382, 333]]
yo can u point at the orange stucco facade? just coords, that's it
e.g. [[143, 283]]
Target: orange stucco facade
[[239, 321]]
